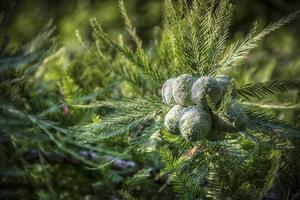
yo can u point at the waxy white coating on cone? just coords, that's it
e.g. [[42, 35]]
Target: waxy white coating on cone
[[172, 119], [182, 89], [167, 92], [206, 89], [195, 123], [237, 115], [223, 82]]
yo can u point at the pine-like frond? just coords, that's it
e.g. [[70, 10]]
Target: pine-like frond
[[198, 34], [149, 139], [130, 29], [271, 106], [126, 195], [29, 58], [195, 38], [172, 24], [271, 176], [137, 58], [219, 33], [187, 186], [126, 116], [266, 124], [240, 49], [259, 90]]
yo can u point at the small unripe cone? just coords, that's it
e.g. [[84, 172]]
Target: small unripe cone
[[172, 119], [167, 92], [223, 82], [182, 89], [195, 123], [236, 119], [237, 115], [206, 89]]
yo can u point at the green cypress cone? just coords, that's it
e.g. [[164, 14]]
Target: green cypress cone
[[204, 89], [182, 89], [235, 119], [195, 123], [237, 115], [172, 119], [167, 92], [223, 82]]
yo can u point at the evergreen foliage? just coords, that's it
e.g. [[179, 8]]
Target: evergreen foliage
[[108, 103]]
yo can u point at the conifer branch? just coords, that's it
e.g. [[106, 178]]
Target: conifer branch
[[272, 106], [267, 124], [240, 49], [131, 30], [259, 90]]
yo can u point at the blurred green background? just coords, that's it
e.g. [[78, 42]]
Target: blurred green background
[[29, 16]]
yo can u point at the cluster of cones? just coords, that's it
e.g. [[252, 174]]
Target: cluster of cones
[[191, 115]]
